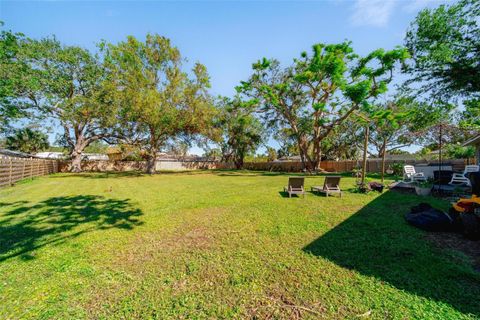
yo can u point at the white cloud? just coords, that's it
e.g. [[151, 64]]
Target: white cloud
[[377, 13], [372, 12]]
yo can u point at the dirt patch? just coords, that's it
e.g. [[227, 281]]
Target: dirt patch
[[193, 233], [160, 250], [457, 242]]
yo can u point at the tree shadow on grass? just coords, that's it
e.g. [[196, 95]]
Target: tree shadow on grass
[[376, 241], [25, 228]]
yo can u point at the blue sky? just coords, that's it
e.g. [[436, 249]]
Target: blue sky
[[226, 36]]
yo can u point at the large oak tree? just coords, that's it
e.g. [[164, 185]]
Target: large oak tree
[[158, 100], [64, 83]]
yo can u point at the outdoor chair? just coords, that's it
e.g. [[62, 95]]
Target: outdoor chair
[[330, 185], [462, 178], [295, 186], [410, 175]]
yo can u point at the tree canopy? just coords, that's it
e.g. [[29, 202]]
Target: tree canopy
[[445, 46], [319, 91], [241, 131], [11, 73], [27, 140], [157, 100], [64, 83]]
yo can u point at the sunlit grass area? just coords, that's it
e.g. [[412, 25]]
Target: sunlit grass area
[[224, 244]]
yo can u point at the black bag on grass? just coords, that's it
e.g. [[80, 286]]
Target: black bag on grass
[[427, 218]]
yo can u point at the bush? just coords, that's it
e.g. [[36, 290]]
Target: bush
[[397, 168]]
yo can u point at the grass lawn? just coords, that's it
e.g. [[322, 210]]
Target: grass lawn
[[220, 245]]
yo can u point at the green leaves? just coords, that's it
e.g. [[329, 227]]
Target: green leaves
[[443, 43], [157, 99], [319, 106], [262, 64], [358, 92], [471, 115], [27, 140], [12, 71], [320, 90], [241, 131]]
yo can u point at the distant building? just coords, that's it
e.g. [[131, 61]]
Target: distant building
[[50, 155], [61, 155], [289, 159], [15, 154], [94, 156], [396, 157], [164, 156]]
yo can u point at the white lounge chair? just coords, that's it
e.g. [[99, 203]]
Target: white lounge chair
[[410, 175], [461, 178]]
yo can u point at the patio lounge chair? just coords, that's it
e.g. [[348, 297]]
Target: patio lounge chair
[[410, 175], [295, 186], [330, 185], [461, 178]]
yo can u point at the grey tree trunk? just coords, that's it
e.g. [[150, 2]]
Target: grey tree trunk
[[151, 165], [76, 161]]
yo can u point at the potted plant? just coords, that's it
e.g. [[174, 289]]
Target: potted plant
[[423, 188]]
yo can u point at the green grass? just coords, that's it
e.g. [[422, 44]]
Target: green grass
[[220, 245]]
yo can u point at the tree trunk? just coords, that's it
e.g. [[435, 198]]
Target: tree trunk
[[317, 153], [238, 160], [303, 160], [384, 153], [78, 144], [76, 161], [151, 163], [365, 150], [317, 161], [303, 153]]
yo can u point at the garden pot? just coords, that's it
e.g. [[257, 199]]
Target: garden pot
[[423, 191], [389, 171]]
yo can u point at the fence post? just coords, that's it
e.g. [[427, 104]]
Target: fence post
[[10, 172], [23, 170]]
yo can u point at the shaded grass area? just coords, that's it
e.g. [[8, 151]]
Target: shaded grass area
[[220, 244], [376, 243], [26, 227]]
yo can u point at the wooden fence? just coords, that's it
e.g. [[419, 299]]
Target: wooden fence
[[16, 169], [373, 165], [121, 166]]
